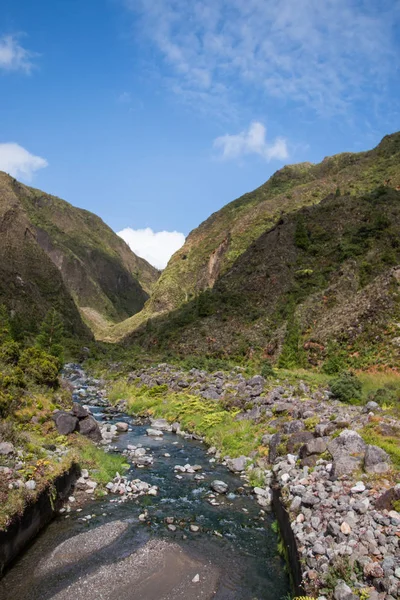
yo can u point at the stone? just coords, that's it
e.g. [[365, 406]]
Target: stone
[[196, 578], [343, 592], [345, 528], [6, 448], [309, 500], [154, 432], [78, 411], [30, 485], [358, 488], [219, 486], [160, 424], [376, 460], [373, 569], [273, 447], [296, 440], [65, 422], [194, 528], [237, 465], [256, 380], [315, 446], [89, 427], [121, 426], [318, 548]]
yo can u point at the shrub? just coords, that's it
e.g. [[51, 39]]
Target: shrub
[[9, 352], [40, 366], [347, 387], [267, 370]]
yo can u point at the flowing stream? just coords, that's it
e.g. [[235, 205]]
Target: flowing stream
[[114, 555]]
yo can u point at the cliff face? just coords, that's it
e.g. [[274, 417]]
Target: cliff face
[[65, 256]]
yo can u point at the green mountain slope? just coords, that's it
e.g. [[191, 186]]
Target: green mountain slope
[[324, 281], [212, 248], [105, 279]]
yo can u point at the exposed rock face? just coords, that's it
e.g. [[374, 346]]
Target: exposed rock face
[[348, 451]]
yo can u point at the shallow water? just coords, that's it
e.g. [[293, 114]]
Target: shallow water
[[245, 555]]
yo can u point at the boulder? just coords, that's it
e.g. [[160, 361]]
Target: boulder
[[161, 424], [6, 448], [376, 460], [65, 422], [78, 411], [154, 432], [90, 428], [237, 465], [219, 486], [343, 592], [273, 446], [121, 426], [348, 451], [314, 446], [296, 440]]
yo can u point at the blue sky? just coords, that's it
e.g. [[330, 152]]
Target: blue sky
[[155, 113]]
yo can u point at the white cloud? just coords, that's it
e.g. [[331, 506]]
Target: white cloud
[[321, 54], [125, 98], [18, 162], [13, 57], [156, 247], [251, 141]]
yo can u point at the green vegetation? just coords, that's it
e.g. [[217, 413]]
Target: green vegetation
[[389, 443], [102, 465], [347, 388]]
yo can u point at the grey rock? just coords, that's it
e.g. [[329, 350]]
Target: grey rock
[[30, 485], [89, 427], [121, 426], [309, 500], [154, 432], [376, 460], [343, 592], [273, 447], [257, 380], [65, 422], [78, 411], [6, 448], [315, 446], [237, 465], [219, 486]]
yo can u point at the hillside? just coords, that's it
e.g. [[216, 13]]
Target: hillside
[[325, 279], [212, 248], [67, 257]]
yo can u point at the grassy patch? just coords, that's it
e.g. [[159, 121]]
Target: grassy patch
[[102, 465], [204, 417]]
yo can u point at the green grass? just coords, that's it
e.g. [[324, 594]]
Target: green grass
[[206, 418], [389, 444], [102, 465]]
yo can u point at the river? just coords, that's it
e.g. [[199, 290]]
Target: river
[[115, 556]]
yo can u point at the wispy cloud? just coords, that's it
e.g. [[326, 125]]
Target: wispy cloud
[[324, 55], [251, 141], [13, 56], [156, 247], [18, 162]]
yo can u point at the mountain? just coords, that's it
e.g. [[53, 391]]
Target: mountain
[[56, 254], [324, 282], [212, 249]]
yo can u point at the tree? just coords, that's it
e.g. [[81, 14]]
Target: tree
[[51, 334]]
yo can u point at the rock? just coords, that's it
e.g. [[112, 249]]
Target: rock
[[348, 451], [160, 424], [154, 432], [89, 427], [237, 465], [172, 527], [273, 447], [373, 570], [175, 427], [6, 448], [315, 446], [194, 528], [371, 407], [345, 528], [359, 487], [296, 440], [376, 460], [30, 485], [65, 422], [219, 486], [121, 426], [196, 578], [318, 548], [343, 592], [309, 500], [78, 411]]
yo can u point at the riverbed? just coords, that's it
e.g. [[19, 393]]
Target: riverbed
[[226, 550]]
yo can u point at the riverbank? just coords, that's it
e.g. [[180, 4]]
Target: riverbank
[[336, 466]]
